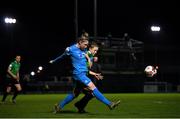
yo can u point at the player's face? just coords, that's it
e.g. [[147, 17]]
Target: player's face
[[94, 50], [83, 44], [18, 58]]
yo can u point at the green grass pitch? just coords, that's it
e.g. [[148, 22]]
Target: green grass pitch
[[133, 105]]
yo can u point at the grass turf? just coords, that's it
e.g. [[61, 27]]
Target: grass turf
[[140, 105]]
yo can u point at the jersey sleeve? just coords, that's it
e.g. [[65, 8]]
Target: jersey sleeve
[[67, 51], [10, 66]]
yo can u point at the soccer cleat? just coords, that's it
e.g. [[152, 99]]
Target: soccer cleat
[[56, 109], [114, 104], [80, 110]]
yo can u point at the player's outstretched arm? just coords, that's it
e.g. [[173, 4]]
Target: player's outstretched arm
[[61, 56], [58, 58]]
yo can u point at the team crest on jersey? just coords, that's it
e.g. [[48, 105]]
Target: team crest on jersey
[[81, 55]]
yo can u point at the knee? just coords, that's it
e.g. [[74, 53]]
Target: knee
[[8, 90], [19, 89], [91, 86]]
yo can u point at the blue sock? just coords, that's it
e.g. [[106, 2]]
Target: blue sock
[[100, 97], [68, 99]]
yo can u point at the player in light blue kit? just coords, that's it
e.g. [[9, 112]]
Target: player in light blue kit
[[79, 61]]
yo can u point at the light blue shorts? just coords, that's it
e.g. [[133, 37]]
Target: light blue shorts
[[82, 77]]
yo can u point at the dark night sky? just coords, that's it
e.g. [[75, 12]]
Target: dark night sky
[[44, 29]]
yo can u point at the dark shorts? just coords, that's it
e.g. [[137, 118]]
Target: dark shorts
[[11, 82]]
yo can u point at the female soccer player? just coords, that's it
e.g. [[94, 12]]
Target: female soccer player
[[77, 53]]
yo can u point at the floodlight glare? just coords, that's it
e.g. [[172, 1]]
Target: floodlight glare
[[9, 20], [40, 68], [155, 28], [32, 73]]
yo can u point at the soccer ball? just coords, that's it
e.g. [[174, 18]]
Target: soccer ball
[[150, 71]]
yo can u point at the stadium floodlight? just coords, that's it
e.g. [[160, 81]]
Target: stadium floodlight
[[32, 73], [8, 20], [155, 28], [40, 68]]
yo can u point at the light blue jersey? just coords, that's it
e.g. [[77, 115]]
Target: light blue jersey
[[78, 59]]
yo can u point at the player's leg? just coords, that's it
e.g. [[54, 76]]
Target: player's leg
[[84, 79], [95, 91], [58, 107], [75, 93], [81, 104], [7, 89], [16, 92], [6, 92], [101, 97]]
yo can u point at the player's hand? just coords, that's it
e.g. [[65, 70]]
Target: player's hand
[[98, 76], [51, 61]]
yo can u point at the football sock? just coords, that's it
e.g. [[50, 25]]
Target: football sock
[[100, 97], [68, 99]]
